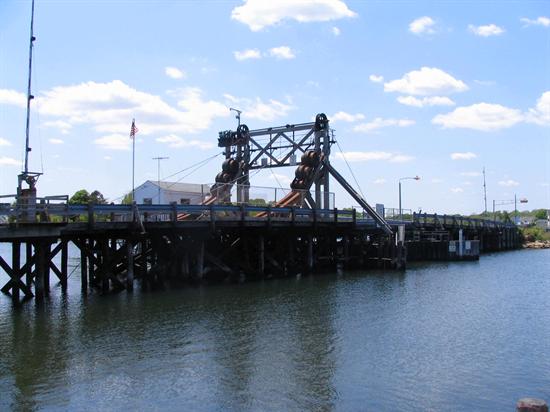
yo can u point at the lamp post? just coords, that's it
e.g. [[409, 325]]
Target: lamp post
[[158, 159], [513, 201], [404, 178]]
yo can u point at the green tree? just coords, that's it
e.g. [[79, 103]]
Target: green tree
[[541, 214], [81, 197], [127, 199], [97, 198]]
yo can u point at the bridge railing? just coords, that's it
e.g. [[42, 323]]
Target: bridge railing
[[65, 213], [457, 221]]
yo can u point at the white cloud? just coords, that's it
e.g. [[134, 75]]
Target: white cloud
[[8, 161], [56, 141], [422, 25], [539, 21], [470, 174], [425, 101], [178, 142], [260, 110], [62, 126], [12, 97], [376, 79], [282, 53], [425, 82], [485, 117], [110, 107], [379, 123], [347, 117], [486, 31], [508, 183], [174, 73], [463, 156], [371, 156], [114, 142], [336, 31], [541, 113], [247, 54], [107, 158], [4, 142], [457, 190], [258, 14], [379, 181]]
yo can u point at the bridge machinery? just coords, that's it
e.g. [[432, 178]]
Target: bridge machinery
[[248, 150]]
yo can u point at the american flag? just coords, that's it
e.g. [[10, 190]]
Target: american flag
[[133, 129]]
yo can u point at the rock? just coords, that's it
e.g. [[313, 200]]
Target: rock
[[531, 405]]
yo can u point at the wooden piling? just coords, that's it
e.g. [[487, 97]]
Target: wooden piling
[[64, 264], [83, 265], [261, 256], [130, 264]]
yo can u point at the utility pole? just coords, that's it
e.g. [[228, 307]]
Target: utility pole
[[484, 191], [158, 159]]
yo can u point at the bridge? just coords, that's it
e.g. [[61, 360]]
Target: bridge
[[225, 237]]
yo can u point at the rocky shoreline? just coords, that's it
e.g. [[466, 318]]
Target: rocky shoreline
[[537, 244]]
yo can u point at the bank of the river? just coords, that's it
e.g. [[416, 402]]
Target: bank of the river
[[458, 336], [537, 244]]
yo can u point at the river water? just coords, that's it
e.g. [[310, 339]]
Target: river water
[[441, 336]]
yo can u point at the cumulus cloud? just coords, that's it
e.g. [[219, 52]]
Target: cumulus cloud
[[540, 114], [247, 54], [425, 101], [336, 31], [379, 181], [376, 79], [4, 142], [178, 142], [463, 156], [258, 14], [174, 73], [422, 25], [371, 156], [12, 97], [109, 108], [508, 183], [379, 123], [282, 53], [260, 110], [114, 142], [457, 190], [347, 117], [8, 161], [426, 82], [56, 141], [485, 117], [486, 31], [62, 126], [539, 21]]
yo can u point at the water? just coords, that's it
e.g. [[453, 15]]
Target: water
[[442, 336]]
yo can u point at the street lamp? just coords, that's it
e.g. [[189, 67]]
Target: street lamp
[[513, 201], [404, 178]]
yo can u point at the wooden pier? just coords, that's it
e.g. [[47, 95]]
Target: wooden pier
[[122, 244]]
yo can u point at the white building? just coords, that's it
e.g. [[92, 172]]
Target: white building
[[153, 193]]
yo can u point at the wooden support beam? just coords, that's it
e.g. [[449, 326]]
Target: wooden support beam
[[130, 265], [16, 270], [83, 245], [261, 255], [29, 257], [199, 264], [40, 270]]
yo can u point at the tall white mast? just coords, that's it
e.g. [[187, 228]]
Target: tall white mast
[[29, 95]]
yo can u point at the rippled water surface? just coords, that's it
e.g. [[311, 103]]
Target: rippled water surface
[[441, 336]]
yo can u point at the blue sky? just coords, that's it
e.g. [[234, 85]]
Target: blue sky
[[438, 90]]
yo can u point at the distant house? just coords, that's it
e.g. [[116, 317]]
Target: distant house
[[170, 192]]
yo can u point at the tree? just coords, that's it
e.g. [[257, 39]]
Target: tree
[[97, 198], [81, 197], [127, 199], [541, 214]]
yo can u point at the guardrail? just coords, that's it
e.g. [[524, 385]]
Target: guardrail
[[66, 213]]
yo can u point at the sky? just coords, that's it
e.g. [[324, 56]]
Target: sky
[[435, 89]]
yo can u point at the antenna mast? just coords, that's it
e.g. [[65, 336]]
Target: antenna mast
[[29, 95], [484, 191]]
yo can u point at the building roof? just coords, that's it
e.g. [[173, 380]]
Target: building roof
[[181, 186]]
